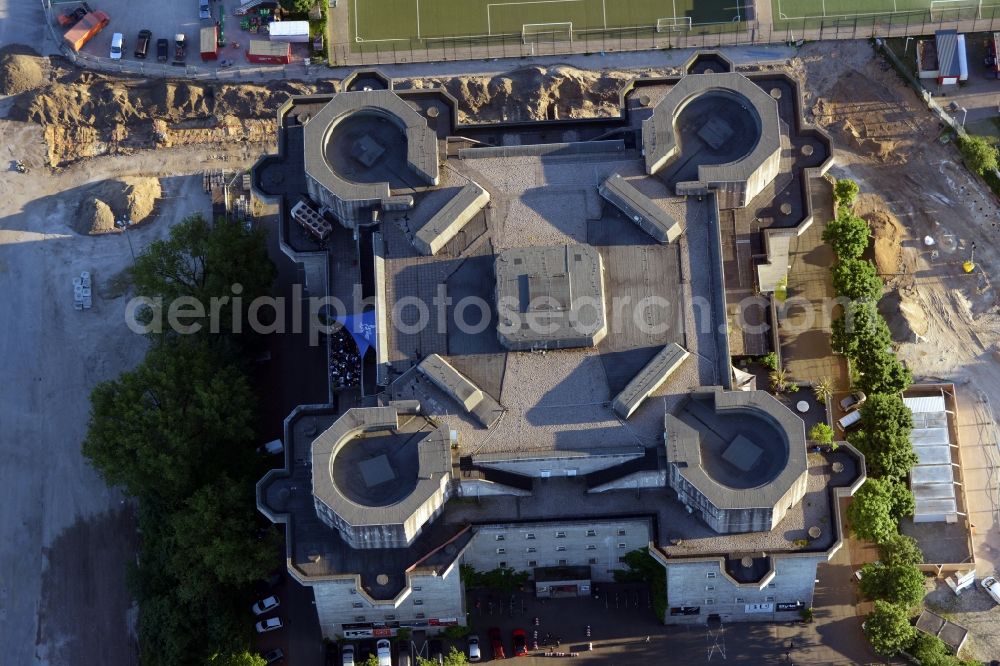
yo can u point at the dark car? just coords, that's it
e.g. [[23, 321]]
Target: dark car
[[330, 658], [436, 650], [142, 44], [520, 643], [496, 642], [162, 50], [365, 648], [853, 401], [274, 656]]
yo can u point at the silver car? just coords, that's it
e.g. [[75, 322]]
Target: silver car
[[992, 587]]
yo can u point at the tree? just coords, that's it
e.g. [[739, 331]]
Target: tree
[[205, 261], [846, 191], [244, 658], [505, 580], [860, 329], [979, 154], [901, 584], [888, 628], [214, 541], [877, 507], [857, 279], [297, 6], [900, 550], [455, 657], [642, 568], [372, 660], [884, 436], [882, 372], [823, 389], [165, 428], [821, 433], [848, 235]]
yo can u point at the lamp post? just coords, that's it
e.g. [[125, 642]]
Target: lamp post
[[124, 225]]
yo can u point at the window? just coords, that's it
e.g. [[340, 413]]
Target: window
[[420, 616], [532, 549], [390, 617], [560, 549], [771, 585], [529, 536], [769, 599], [592, 560], [532, 563], [499, 537], [417, 588], [359, 618], [560, 535], [418, 602], [357, 604], [591, 547], [502, 564], [562, 563], [622, 546], [591, 532], [354, 590], [710, 574], [621, 560], [740, 600], [710, 588], [621, 532], [501, 551], [709, 602]]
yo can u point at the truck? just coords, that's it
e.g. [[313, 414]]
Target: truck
[[73, 15], [993, 48], [81, 33], [180, 49]]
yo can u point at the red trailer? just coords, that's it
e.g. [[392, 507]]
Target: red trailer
[[270, 53], [209, 43], [992, 59]]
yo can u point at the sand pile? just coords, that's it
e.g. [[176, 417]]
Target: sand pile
[[109, 200], [20, 73], [904, 315], [532, 93]]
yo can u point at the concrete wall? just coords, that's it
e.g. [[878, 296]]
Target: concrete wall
[[340, 602], [484, 488], [721, 520], [703, 584], [654, 478], [559, 466], [532, 545]]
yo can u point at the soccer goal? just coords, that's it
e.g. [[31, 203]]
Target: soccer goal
[[673, 24], [531, 32]]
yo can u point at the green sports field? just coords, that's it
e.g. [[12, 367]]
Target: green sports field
[[428, 22], [813, 13]]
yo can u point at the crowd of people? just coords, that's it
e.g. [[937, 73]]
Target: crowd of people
[[345, 362]]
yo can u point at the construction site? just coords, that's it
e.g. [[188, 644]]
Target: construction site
[[112, 162]]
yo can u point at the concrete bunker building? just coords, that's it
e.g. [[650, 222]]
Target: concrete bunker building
[[620, 430]]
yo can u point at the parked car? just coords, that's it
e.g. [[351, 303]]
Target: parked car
[[853, 401], [117, 45], [204, 12], [274, 656], [142, 44], [270, 624], [851, 420], [347, 651], [436, 650], [162, 50], [383, 650], [330, 656], [992, 587], [474, 653], [496, 642], [520, 643], [265, 605]]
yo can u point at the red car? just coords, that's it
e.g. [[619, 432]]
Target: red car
[[497, 642], [520, 643]]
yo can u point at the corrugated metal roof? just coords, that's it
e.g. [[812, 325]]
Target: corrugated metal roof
[[932, 479], [946, 44], [928, 404]]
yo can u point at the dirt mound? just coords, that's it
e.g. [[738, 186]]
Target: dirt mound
[[887, 231], [904, 315], [532, 93], [97, 215], [20, 73], [128, 198]]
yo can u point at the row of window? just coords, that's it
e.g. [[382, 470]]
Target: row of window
[[361, 618], [739, 600], [534, 563], [559, 549], [559, 534]]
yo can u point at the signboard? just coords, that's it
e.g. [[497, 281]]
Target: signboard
[[798, 605], [357, 625], [758, 608], [443, 621], [685, 610], [382, 632], [359, 633]]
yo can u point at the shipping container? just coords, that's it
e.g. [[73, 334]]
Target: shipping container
[[209, 43], [272, 53], [87, 27]]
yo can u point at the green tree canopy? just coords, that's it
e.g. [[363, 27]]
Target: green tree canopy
[[899, 550], [821, 433], [642, 568], [848, 235], [857, 279], [979, 154], [881, 372], [877, 507], [846, 191], [297, 6], [888, 628], [901, 584], [204, 261], [213, 540], [244, 658], [861, 328], [372, 660], [164, 429], [884, 437]]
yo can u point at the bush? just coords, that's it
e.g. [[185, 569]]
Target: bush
[[769, 361], [821, 433], [845, 191], [848, 235], [979, 155]]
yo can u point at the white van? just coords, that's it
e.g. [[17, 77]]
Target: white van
[[849, 421], [383, 651], [117, 45], [348, 653]]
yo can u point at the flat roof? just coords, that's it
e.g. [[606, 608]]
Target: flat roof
[[640, 209]]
